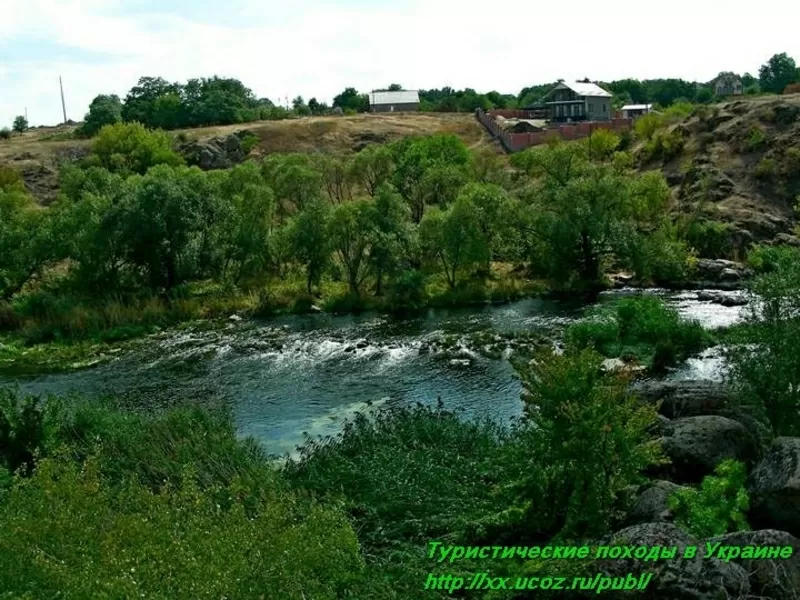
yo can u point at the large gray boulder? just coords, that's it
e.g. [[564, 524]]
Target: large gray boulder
[[774, 487], [678, 578], [696, 445], [652, 505], [773, 579], [216, 153], [678, 399]]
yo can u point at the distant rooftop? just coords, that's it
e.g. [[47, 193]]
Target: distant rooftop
[[399, 97], [583, 89], [637, 107]]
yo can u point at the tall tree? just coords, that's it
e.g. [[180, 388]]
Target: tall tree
[[104, 110], [778, 72]]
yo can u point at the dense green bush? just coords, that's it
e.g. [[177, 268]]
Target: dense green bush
[[711, 239], [591, 439], [27, 429], [130, 148], [73, 534], [411, 475], [765, 366], [407, 292], [642, 327], [718, 507]]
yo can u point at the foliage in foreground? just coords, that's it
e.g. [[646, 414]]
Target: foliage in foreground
[[167, 506], [765, 368], [640, 327], [71, 533], [718, 507], [592, 440]]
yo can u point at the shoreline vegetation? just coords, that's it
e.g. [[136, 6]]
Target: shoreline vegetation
[[138, 240], [171, 503]]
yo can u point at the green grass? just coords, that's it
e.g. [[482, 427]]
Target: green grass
[[642, 329], [159, 506]]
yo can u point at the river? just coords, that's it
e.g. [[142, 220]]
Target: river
[[290, 376]]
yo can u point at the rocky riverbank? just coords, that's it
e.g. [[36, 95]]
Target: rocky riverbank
[[709, 274], [700, 427]]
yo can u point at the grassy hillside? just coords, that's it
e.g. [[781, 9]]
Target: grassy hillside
[[36, 153], [736, 163]]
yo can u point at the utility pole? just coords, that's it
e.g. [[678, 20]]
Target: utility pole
[[63, 106]]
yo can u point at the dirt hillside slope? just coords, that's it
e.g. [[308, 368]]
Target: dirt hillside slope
[[739, 164], [38, 152]]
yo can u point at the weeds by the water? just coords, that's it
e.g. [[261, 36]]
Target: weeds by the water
[[642, 329]]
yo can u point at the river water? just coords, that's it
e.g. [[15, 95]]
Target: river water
[[290, 376]]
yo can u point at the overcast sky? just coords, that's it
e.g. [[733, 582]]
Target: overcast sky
[[319, 47]]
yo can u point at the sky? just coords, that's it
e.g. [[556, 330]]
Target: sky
[[316, 48]]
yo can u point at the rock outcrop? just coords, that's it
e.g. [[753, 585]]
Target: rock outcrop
[[677, 579], [774, 487], [774, 578], [677, 399], [652, 505], [218, 152], [696, 445]]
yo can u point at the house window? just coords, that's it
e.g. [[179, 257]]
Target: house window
[[591, 108], [604, 108]]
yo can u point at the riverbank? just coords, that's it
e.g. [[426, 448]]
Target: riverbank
[[45, 333]]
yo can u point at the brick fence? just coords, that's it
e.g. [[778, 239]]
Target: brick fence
[[514, 142]]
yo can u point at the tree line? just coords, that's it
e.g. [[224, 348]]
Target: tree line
[[157, 103], [132, 219]]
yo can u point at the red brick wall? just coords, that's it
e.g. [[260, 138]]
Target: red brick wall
[[514, 142]]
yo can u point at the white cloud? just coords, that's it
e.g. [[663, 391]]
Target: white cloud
[[318, 48]]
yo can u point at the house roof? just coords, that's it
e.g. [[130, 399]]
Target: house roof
[[583, 89], [400, 97], [637, 107]]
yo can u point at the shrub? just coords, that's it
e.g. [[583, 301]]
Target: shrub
[[249, 142], [407, 292], [27, 429], [79, 536], [641, 326], [711, 239], [664, 145], [131, 148], [791, 162], [647, 125], [756, 139], [409, 475], [765, 168], [345, 304], [5, 133], [592, 435], [765, 368], [718, 507]]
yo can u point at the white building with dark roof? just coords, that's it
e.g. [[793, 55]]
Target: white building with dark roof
[[398, 101], [631, 111]]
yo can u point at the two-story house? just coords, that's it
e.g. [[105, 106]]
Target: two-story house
[[578, 101], [727, 84]]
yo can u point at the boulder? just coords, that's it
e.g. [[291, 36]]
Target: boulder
[[684, 398], [774, 578], [217, 152], [719, 270], [652, 505], [696, 445], [774, 487], [680, 578], [786, 239], [725, 299]]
